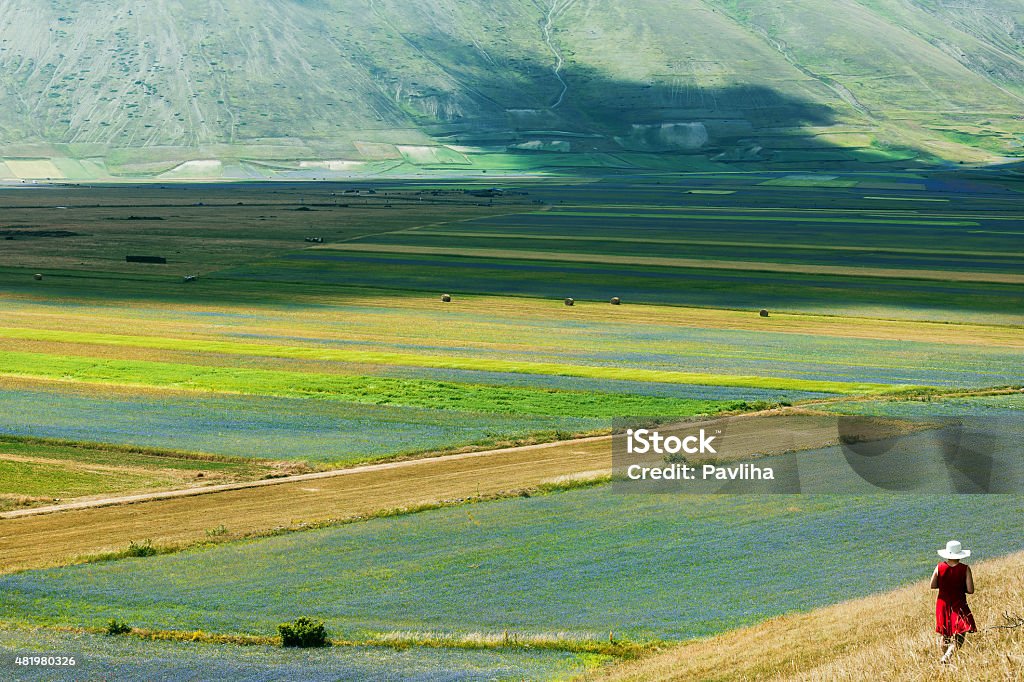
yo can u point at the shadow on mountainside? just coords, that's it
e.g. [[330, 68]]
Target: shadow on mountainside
[[522, 107]]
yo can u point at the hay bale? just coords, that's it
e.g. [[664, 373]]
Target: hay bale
[[616, 300], [38, 276], [570, 302], [763, 313], [446, 298]]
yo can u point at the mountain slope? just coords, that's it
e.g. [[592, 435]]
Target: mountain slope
[[251, 87]]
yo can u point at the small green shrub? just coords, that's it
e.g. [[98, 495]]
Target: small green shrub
[[303, 632], [118, 627], [141, 549]]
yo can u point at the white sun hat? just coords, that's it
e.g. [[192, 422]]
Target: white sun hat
[[954, 550]]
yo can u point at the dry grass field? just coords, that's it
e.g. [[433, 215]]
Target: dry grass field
[[883, 637]]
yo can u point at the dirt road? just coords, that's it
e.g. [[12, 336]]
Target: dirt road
[[48, 536]]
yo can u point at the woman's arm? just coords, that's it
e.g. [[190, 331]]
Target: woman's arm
[[970, 581], [935, 578]]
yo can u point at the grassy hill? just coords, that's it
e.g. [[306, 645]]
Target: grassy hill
[[888, 636], [317, 88]]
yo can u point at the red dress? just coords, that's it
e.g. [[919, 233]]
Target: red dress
[[952, 614]]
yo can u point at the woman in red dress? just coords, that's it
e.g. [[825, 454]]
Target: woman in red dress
[[954, 581]]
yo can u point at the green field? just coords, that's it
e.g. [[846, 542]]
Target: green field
[[35, 471], [383, 391]]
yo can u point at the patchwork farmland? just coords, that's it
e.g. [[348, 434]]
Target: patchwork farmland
[[431, 478]]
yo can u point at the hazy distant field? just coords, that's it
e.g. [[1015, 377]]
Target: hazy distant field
[[839, 243]]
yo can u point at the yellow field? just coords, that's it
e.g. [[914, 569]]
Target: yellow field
[[382, 318], [883, 637], [34, 168]]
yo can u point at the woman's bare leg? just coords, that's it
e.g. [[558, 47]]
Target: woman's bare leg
[[951, 644]]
